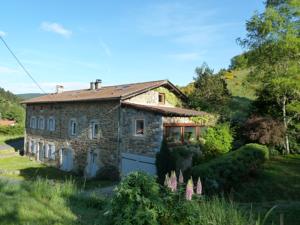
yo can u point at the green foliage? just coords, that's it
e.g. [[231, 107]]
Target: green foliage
[[218, 139], [205, 120], [239, 62], [12, 130], [229, 170], [136, 201], [164, 161], [211, 91], [139, 200], [10, 107], [170, 97], [274, 43]]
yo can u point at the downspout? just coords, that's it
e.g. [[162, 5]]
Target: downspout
[[119, 137]]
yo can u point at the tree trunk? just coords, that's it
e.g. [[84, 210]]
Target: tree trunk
[[286, 137]]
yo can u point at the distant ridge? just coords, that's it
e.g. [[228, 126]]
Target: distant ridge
[[27, 96]]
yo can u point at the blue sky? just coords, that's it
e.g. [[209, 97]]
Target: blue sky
[[74, 42]]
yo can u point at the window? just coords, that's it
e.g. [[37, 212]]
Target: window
[[41, 123], [139, 127], [32, 147], [190, 134], [161, 98], [51, 124], [73, 125], [33, 122], [174, 134], [95, 130], [51, 151]]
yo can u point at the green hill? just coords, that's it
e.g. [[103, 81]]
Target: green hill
[[29, 95], [10, 107], [243, 94]]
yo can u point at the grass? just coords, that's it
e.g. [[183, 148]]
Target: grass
[[277, 184], [46, 202], [14, 166]]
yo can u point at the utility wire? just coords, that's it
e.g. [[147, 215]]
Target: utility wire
[[19, 62]]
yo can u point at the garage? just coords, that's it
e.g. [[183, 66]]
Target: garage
[[134, 162]]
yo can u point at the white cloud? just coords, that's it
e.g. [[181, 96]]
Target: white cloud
[[4, 69], [56, 28], [2, 33], [187, 56]]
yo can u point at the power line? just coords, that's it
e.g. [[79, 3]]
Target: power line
[[19, 62]]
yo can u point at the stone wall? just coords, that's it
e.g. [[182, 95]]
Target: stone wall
[[150, 98], [148, 144], [106, 114]]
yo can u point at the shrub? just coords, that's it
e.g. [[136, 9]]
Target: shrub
[[264, 130], [108, 173], [136, 201], [164, 161], [139, 200], [227, 171], [218, 139], [12, 130], [184, 155]]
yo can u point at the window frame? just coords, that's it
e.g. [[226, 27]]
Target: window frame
[[53, 124], [51, 151], [182, 127], [135, 128], [73, 132], [163, 98], [92, 134], [39, 124], [32, 124]]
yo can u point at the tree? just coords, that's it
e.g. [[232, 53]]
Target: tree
[[273, 41], [264, 130], [211, 92]]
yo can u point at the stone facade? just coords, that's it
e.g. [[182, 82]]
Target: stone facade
[[149, 98], [105, 145], [88, 151], [148, 144]]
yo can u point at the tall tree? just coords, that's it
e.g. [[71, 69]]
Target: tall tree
[[273, 38], [210, 90]]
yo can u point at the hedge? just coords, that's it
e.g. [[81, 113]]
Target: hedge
[[12, 130], [228, 171]]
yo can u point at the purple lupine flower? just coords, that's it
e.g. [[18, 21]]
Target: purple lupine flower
[[189, 190], [180, 179], [199, 187], [173, 180], [166, 182]]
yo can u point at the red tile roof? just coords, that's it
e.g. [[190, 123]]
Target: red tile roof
[[104, 93], [165, 110]]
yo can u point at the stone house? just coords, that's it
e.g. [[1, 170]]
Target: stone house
[[121, 126]]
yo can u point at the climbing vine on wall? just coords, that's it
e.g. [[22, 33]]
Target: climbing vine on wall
[[206, 120], [170, 96]]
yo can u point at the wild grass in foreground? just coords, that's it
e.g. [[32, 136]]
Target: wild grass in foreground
[[47, 202]]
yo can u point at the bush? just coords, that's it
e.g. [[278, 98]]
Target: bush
[[228, 171], [140, 201], [108, 173], [12, 130], [218, 139], [136, 201], [164, 161]]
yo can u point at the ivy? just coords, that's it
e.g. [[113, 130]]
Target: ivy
[[206, 120], [170, 96]]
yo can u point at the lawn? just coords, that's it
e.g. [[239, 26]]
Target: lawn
[[16, 167], [277, 184]]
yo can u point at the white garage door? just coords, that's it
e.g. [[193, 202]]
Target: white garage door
[[133, 162]]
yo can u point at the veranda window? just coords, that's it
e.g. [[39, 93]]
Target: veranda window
[[190, 134], [174, 134]]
